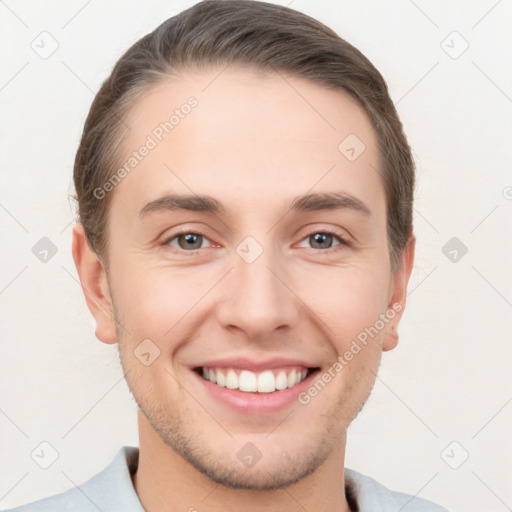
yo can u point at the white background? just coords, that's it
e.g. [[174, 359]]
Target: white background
[[449, 378]]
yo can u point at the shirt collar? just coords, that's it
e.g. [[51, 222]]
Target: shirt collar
[[121, 495]]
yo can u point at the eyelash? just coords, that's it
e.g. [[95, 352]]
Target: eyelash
[[341, 239]]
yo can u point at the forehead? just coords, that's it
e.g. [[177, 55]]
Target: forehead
[[243, 135]]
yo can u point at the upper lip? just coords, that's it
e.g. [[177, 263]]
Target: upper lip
[[244, 363]]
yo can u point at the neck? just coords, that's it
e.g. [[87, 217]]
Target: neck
[[164, 481]]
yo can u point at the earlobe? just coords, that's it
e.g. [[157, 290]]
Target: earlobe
[[398, 293], [93, 279], [391, 340]]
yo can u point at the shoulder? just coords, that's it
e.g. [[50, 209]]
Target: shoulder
[[111, 489], [71, 500], [370, 496]]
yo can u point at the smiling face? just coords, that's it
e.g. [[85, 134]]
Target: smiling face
[[246, 248]]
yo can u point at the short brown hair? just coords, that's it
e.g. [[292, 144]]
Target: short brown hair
[[265, 37]]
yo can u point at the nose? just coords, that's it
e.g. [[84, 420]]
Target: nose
[[257, 297]]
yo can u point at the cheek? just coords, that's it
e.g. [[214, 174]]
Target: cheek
[[159, 303], [168, 307], [347, 300], [154, 300]]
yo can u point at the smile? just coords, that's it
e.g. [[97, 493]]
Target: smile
[[266, 381]]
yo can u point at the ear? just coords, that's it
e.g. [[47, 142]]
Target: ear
[[93, 279], [398, 293]]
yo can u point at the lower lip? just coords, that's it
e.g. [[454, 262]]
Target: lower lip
[[256, 403]]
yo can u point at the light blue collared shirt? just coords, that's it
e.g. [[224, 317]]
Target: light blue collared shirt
[[111, 490]]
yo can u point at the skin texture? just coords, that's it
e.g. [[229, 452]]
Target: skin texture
[[254, 142]]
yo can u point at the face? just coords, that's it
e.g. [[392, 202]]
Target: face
[[247, 246]]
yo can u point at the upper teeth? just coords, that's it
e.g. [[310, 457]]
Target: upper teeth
[[264, 382]]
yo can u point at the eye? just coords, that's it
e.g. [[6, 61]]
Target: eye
[[187, 241], [190, 241], [324, 240]]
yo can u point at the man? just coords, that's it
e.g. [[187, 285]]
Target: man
[[245, 236]]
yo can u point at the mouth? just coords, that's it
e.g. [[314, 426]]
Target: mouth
[[246, 381]]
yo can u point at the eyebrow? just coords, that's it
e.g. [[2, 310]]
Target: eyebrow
[[208, 204]]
